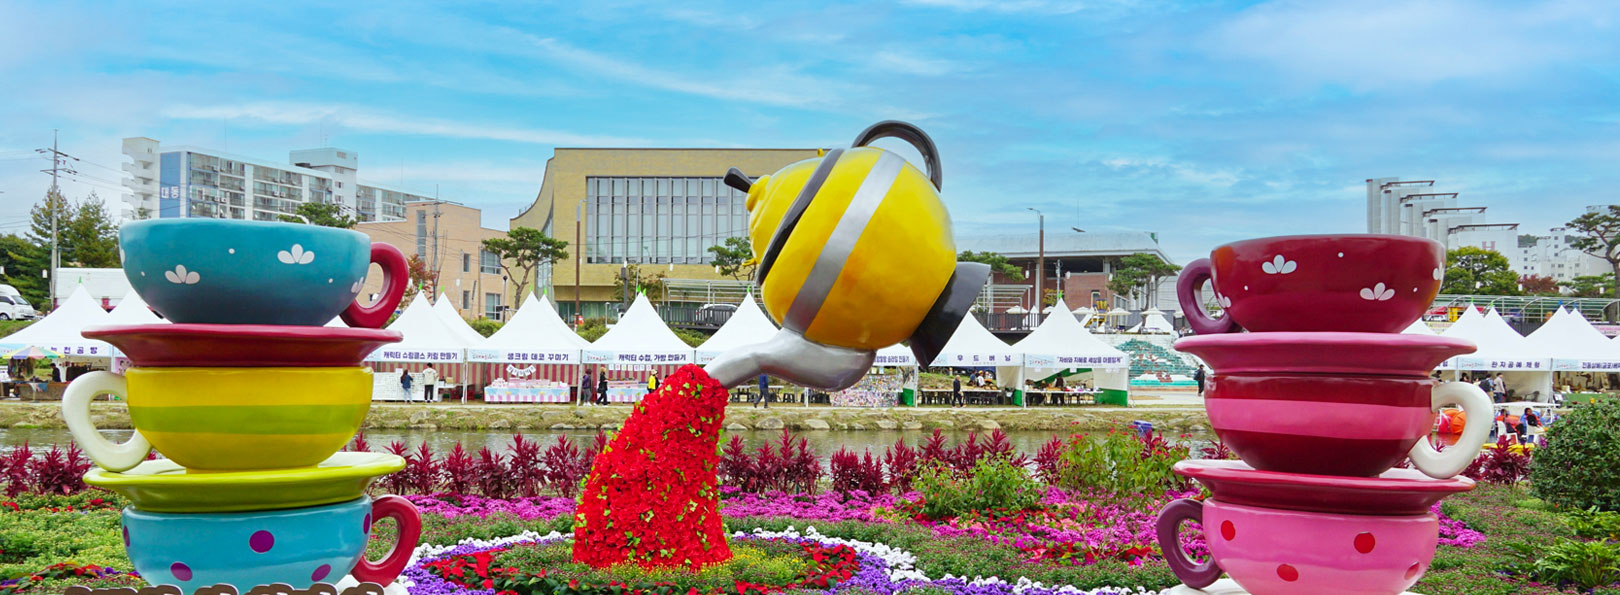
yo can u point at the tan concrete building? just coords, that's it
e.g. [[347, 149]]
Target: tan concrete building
[[448, 237], [659, 208]]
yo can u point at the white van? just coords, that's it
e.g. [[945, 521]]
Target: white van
[[14, 307]]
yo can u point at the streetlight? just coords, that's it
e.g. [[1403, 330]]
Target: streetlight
[[1040, 267]]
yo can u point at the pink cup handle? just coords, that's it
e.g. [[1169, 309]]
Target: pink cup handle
[[1192, 278], [1168, 528], [396, 275], [409, 524]]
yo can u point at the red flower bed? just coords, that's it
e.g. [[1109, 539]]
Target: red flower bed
[[832, 565], [651, 498]]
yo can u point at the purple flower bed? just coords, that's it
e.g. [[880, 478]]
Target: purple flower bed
[[827, 506], [1454, 532]]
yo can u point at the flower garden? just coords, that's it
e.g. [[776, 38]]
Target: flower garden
[[927, 518]]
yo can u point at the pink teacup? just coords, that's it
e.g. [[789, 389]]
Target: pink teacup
[[1271, 551], [1353, 283]]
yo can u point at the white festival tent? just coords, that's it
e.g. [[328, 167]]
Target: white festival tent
[[536, 334], [896, 355], [1420, 328], [972, 346], [640, 338], [1154, 322], [427, 337], [452, 318], [747, 326], [1062, 343], [1500, 349], [59, 330], [133, 310], [1574, 345]]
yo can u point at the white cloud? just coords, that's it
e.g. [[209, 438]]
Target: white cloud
[[774, 86], [1015, 6], [1392, 43], [906, 63], [363, 120]]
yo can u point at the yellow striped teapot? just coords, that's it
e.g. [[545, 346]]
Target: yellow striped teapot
[[854, 248]]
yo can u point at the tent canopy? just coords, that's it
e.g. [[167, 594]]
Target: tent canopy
[[452, 318], [1573, 345], [59, 330], [427, 337], [973, 346], [1060, 342], [1500, 347], [747, 326], [1154, 322], [896, 355], [535, 334], [133, 310], [1420, 328], [640, 337]]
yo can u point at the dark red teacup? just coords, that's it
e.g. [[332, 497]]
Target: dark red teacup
[[1354, 283], [1343, 425]]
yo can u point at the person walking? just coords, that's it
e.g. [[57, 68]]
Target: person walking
[[405, 384], [956, 392], [587, 386], [764, 399], [601, 387], [430, 384], [1198, 376], [652, 381], [1499, 388]]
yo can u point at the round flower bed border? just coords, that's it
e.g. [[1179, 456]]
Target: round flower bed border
[[876, 568]]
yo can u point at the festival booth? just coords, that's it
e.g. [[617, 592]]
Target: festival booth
[[971, 346], [638, 345], [61, 353], [1574, 346], [1061, 346], [894, 365], [1524, 370], [428, 341], [1420, 328], [534, 355], [130, 310], [747, 326], [1153, 323]]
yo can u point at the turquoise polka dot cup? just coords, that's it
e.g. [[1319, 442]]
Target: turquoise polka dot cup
[[297, 547], [219, 271]]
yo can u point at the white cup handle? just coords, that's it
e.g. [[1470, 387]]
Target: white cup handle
[[76, 410], [1477, 429]]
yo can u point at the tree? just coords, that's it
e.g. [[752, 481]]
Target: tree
[[324, 214], [1471, 270], [1591, 286], [734, 258], [1538, 285], [997, 262], [1138, 275], [522, 251], [632, 281], [1599, 232], [92, 235], [422, 277]]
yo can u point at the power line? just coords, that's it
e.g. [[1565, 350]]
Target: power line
[[57, 167]]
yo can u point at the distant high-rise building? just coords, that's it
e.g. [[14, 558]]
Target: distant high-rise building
[[1414, 208], [196, 182]]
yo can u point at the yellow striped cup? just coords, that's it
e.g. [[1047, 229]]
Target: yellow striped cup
[[224, 419]]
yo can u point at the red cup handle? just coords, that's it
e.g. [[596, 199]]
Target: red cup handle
[[1191, 280], [409, 524], [1168, 528], [396, 275]]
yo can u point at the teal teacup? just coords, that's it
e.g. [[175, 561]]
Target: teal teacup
[[218, 271]]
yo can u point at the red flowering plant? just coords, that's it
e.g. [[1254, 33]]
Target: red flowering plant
[[652, 497]]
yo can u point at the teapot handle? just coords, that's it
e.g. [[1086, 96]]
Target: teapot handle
[[907, 132]]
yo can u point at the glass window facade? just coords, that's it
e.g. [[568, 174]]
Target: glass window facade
[[489, 262], [660, 220], [492, 306]]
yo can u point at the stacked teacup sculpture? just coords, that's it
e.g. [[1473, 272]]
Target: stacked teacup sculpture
[[249, 397], [1321, 400]]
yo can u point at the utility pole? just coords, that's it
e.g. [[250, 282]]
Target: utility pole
[[579, 246], [1040, 268], [435, 239], [57, 167]]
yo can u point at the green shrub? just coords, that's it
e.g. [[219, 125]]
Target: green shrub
[[1594, 524], [1577, 467], [485, 326], [1121, 463], [995, 482], [1584, 564], [33, 540], [756, 561]]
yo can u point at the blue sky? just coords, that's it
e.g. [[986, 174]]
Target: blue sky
[[1203, 121]]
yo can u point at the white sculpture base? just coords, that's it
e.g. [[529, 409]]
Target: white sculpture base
[[1224, 586]]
